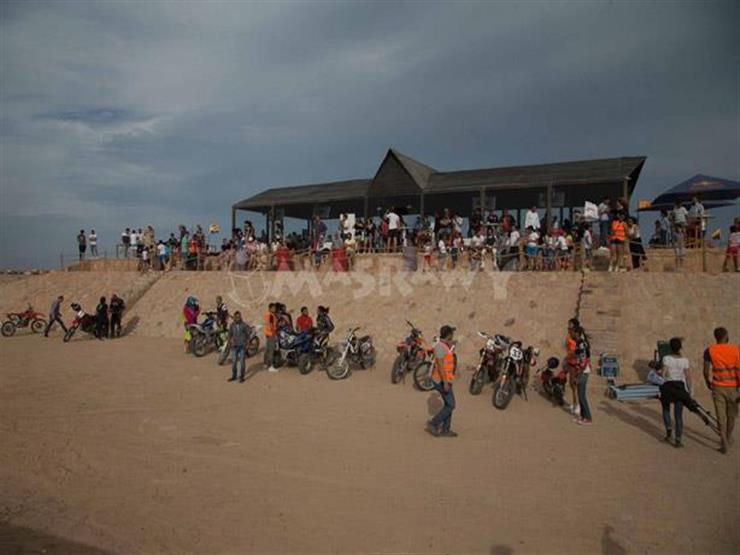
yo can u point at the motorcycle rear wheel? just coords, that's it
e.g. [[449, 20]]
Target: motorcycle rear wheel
[[38, 325], [476, 383], [339, 369], [399, 369], [423, 376], [502, 395], [305, 363], [8, 328]]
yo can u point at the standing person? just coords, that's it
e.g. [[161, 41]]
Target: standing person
[[134, 241], [92, 239], [117, 306], [190, 313], [55, 315], [532, 219], [618, 238], [271, 322], [587, 244], [571, 362], [722, 376], [637, 250], [582, 367], [101, 319], [126, 241], [733, 248], [675, 389], [304, 321], [394, 229], [443, 374], [604, 210], [678, 219], [663, 227], [82, 244], [238, 337]]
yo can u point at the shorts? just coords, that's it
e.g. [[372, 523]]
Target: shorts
[[734, 251], [589, 253], [83, 248], [617, 242], [393, 233], [530, 251]]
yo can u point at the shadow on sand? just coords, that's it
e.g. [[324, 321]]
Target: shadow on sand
[[19, 540]]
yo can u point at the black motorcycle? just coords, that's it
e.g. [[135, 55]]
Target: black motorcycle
[[411, 353], [514, 376], [489, 362]]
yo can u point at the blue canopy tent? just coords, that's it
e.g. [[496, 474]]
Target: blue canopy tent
[[713, 192]]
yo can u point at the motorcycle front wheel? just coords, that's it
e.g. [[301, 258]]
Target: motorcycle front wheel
[[8, 328], [399, 369], [476, 383], [199, 345], [38, 325], [305, 363], [502, 394], [339, 369], [69, 333], [423, 376]]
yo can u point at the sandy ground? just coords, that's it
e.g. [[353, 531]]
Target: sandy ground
[[129, 446]]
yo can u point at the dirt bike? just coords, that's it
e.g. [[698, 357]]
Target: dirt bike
[[411, 353], [86, 323], [353, 350], [423, 372], [552, 384], [514, 376], [489, 362], [222, 344], [302, 349], [203, 336], [18, 320]]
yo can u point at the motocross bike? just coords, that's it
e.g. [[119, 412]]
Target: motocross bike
[[411, 353], [86, 323], [18, 320], [353, 350], [301, 349], [514, 375], [423, 372], [203, 336], [222, 344], [552, 384], [489, 362]]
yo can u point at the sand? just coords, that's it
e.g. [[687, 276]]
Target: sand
[[130, 446]]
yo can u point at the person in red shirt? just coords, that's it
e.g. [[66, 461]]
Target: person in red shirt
[[304, 322]]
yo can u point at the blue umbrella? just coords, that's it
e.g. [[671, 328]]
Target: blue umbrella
[[713, 192]]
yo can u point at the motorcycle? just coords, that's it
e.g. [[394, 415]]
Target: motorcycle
[[489, 363], [423, 372], [83, 321], [18, 320], [552, 384], [353, 350], [222, 344], [514, 376], [302, 349], [203, 336], [411, 353]]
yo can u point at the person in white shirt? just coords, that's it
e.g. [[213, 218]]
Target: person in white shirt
[[604, 210], [675, 390], [441, 255], [733, 248], [134, 239], [587, 242], [92, 240], [532, 219], [394, 224]]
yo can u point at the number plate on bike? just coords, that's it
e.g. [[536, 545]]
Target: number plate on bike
[[515, 353]]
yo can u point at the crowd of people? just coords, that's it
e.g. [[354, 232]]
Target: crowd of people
[[104, 323], [440, 242]]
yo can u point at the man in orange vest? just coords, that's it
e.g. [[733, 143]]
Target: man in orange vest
[[443, 373], [618, 238], [270, 337], [722, 374]]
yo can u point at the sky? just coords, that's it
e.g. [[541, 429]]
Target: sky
[[119, 114]]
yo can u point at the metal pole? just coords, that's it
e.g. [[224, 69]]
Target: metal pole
[[548, 207], [421, 205], [233, 219]]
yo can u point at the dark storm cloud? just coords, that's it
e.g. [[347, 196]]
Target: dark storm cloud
[[116, 114]]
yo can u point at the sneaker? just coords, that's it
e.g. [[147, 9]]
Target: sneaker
[[584, 422], [231, 379], [242, 379], [448, 433], [430, 428], [678, 444], [668, 437], [272, 369], [723, 449]]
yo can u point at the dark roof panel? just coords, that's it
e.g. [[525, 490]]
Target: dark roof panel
[[316, 193]]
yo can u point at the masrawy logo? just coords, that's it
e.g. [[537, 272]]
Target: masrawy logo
[[254, 289]]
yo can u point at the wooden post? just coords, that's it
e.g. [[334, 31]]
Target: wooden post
[[233, 220], [548, 208], [421, 205], [625, 191]]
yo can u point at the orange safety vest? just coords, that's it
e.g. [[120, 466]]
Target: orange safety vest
[[270, 324], [725, 359], [619, 231], [570, 347], [447, 372]]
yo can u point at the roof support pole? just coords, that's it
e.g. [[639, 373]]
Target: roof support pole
[[482, 201], [548, 207], [625, 190], [421, 205], [366, 207], [233, 220]]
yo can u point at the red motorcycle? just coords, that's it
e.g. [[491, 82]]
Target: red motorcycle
[[86, 322], [514, 376], [18, 320], [553, 385], [411, 353]]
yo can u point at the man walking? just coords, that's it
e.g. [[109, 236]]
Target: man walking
[[238, 337], [722, 376], [443, 373], [55, 315], [270, 337]]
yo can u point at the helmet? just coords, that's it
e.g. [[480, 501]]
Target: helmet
[[192, 301], [553, 363], [76, 307]]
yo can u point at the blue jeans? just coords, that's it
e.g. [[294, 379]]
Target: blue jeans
[[238, 352], [443, 419], [582, 401], [678, 414], [603, 233]]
